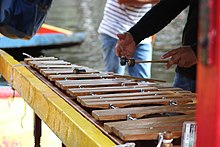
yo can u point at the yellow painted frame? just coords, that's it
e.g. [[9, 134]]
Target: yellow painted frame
[[69, 125]]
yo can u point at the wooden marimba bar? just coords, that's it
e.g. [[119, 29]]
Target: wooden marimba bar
[[130, 108]]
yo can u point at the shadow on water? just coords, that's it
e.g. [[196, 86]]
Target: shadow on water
[[85, 15]]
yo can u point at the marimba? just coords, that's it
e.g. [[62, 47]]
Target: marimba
[[125, 108]]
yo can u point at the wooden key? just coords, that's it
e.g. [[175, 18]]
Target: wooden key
[[105, 104], [26, 60], [148, 133], [138, 112], [94, 84], [139, 79], [147, 121], [55, 62], [117, 89], [115, 95], [78, 76]]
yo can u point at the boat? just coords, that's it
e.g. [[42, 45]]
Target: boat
[[48, 36]]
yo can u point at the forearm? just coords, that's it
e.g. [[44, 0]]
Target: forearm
[[137, 2], [157, 18]]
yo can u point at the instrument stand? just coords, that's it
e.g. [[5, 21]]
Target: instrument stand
[[37, 130]]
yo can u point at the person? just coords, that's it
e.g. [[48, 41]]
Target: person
[[119, 16], [152, 22]]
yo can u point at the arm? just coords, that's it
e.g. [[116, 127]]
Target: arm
[[152, 22], [157, 18], [137, 2]]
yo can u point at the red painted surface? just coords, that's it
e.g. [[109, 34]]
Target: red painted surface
[[43, 30], [208, 83]]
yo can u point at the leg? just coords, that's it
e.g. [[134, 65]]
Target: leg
[[181, 81], [112, 62], [143, 70], [37, 130]]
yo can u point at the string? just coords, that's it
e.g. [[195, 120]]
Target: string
[[22, 118]]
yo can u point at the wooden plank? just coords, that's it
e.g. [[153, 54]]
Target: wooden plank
[[101, 84], [91, 91], [138, 112], [66, 71], [134, 98], [147, 121], [50, 62], [56, 72], [148, 93], [54, 66], [169, 89], [87, 72], [84, 81], [78, 76], [126, 94], [139, 79], [26, 60], [105, 104], [44, 70], [93, 83], [148, 133], [114, 87]]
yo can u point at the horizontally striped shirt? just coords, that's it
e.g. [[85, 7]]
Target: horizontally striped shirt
[[120, 18]]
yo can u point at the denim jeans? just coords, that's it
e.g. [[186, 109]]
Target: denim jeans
[[185, 83], [112, 62]]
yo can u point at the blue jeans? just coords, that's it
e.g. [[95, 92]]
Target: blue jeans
[[185, 83], [112, 62]]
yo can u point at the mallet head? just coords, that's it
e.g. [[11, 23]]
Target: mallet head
[[123, 61], [131, 62]]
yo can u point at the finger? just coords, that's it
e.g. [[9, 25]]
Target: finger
[[172, 61], [127, 54], [121, 36], [121, 53], [169, 64], [118, 50], [169, 54]]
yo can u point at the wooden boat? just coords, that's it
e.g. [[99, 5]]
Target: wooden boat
[[47, 37]]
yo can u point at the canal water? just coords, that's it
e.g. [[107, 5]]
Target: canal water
[[85, 15]]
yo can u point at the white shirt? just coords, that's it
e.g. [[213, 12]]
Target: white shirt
[[120, 18]]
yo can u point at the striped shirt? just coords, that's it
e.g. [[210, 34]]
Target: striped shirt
[[120, 18]]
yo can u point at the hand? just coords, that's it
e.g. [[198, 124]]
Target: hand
[[125, 45], [182, 56]]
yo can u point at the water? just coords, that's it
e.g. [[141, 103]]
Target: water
[[85, 15]]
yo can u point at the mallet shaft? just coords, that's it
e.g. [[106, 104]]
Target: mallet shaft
[[151, 61]]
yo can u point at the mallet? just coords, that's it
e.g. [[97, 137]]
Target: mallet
[[132, 62]]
